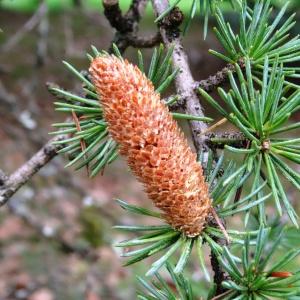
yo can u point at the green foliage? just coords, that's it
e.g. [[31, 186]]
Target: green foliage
[[260, 103], [223, 188], [261, 115], [89, 144], [167, 241], [160, 289], [254, 276], [258, 37], [205, 8], [162, 237]]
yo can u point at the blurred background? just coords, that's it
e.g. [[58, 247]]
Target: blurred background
[[55, 235]]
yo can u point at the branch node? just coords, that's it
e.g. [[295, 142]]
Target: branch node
[[174, 19], [113, 13]]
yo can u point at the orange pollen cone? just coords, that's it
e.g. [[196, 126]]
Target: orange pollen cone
[[156, 149]]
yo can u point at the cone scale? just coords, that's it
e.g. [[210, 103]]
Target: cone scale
[[156, 149]]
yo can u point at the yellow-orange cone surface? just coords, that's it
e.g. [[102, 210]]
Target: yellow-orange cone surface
[[156, 149]]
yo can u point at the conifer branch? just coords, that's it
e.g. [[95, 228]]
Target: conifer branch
[[185, 85], [150, 155], [217, 79], [259, 115], [113, 13], [9, 185], [127, 25], [184, 81], [144, 42]]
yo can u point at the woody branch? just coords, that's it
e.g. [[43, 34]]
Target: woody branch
[[10, 184]]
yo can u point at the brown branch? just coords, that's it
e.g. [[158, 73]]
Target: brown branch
[[21, 176], [113, 13], [219, 78], [186, 87], [127, 25], [185, 84], [218, 141], [212, 82], [216, 80], [141, 42], [219, 274], [136, 11]]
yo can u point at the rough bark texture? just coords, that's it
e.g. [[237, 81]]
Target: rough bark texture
[[185, 84], [127, 25], [9, 185]]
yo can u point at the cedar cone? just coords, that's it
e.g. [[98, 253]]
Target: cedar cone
[[156, 149]]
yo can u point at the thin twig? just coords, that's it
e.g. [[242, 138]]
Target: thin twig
[[142, 42], [219, 140], [21, 176], [127, 25], [215, 80], [113, 13], [185, 87]]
